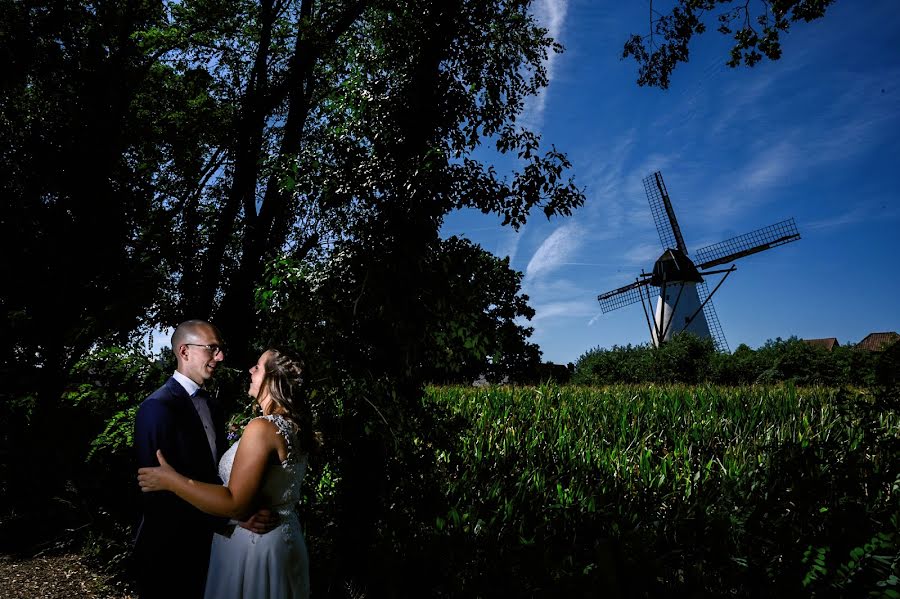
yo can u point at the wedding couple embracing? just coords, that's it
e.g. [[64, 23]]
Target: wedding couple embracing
[[219, 522]]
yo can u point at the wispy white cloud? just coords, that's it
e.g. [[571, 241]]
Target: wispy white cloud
[[557, 288], [770, 168], [644, 253], [689, 100], [846, 137], [868, 212], [551, 14], [604, 178], [616, 204], [508, 243], [608, 175], [851, 217], [652, 162], [851, 124], [745, 101], [555, 250], [567, 309]]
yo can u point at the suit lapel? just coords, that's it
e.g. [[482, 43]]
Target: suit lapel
[[194, 424]]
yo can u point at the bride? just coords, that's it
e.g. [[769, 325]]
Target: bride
[[265, 467]]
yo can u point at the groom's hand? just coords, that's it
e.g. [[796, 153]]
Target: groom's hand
[[261, 522]]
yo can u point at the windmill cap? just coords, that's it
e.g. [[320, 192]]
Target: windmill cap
[[674, 267]]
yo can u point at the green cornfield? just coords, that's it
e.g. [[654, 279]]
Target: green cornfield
[[694, 490]]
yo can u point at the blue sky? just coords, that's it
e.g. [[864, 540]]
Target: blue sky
[[814, 136]]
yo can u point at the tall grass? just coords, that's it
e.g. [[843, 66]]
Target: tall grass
[[666, 488]]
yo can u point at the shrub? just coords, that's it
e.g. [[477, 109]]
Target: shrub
[[687, 359]]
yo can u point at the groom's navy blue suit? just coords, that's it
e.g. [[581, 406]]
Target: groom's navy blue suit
[[173, 541]]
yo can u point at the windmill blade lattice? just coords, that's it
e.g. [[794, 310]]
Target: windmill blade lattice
[[749, 243], [663, 213], [621, 297], [675, 267], [712, 319]]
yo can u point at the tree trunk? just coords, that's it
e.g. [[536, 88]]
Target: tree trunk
[[247, 155]]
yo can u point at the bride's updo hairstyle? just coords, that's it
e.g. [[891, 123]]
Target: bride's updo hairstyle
[[283, 379]]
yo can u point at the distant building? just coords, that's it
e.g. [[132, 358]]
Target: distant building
[[828, 343], [557, 373], [878, 341]]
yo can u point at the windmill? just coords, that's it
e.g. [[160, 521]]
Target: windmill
[[684, 302]]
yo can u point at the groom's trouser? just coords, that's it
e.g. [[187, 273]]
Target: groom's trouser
[[173, 567]]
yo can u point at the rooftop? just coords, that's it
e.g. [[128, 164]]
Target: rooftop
[[877, 341], [828, 343]]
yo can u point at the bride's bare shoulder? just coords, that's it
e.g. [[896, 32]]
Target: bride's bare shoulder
[[260, 428]]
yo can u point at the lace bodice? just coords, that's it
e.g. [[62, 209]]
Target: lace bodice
[[274, 565], [280, 489]]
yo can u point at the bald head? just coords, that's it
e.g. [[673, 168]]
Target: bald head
[[197, 347], [190, 331]]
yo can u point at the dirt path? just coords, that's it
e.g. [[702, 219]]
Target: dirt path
[[53, 577]]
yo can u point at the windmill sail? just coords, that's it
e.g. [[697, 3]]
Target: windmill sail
[[621, 297], [712, 319], [663, 213], [747, 244]]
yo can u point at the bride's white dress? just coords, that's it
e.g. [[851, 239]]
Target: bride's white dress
[[245, 565]]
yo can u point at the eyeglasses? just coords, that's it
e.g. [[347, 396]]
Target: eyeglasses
[[214, 349]]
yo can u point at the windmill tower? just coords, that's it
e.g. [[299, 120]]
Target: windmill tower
[[684, 302]]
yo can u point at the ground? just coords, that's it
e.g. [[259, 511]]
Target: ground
[[54, 577]]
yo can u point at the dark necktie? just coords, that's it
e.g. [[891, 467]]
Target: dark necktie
[[200, 399]]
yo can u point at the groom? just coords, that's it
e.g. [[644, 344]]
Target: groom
[[173, 541]]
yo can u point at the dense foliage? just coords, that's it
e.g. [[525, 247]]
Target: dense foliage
[[468, 311], [688, 359], [540, 491]]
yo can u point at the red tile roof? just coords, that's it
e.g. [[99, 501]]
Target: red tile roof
[[828, 344], [877, 341]]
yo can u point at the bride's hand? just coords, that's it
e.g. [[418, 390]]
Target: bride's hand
[[159, 478]]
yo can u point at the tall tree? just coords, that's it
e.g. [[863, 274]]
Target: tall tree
[[408, 94], [305, 157], [94, 152], [266, 61], [100, 141]]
